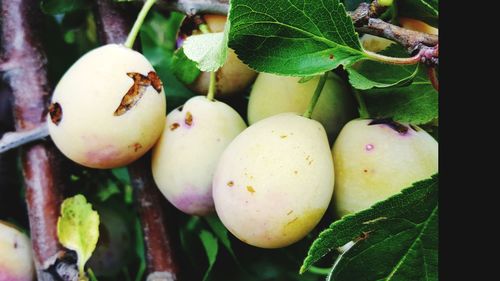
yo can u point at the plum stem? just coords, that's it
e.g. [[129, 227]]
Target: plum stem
[[363, 110], [211, 87], [213, 81], [315, 97], [129, 43]]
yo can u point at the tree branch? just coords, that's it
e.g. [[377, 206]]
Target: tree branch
[[424, 46], [115, 24], [27, 78]]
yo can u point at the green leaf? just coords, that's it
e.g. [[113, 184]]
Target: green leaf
[[208, 51], [105, 192], [158, 38], [78, 228], [293, 37], [425, 10], [221, 232], [54, 7], [211, 246], [139, 249], [184, 69], [396, 239], [121, 174], [417, 103], [371, 74]]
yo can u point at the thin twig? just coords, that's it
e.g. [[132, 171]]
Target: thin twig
[[15, 139]]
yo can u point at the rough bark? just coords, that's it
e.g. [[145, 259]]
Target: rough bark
[[25, 72]]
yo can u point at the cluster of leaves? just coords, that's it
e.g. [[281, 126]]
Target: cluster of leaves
[[300, 38]]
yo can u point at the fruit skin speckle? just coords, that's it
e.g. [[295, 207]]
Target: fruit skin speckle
[[374, 161], [285, 176], [184, 159]]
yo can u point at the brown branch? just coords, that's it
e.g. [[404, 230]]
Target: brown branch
[[27, 79], [115, 23], [160, 258], [411, 40], [416, 43]]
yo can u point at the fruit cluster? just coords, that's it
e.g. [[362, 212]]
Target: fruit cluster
[[271, 182]]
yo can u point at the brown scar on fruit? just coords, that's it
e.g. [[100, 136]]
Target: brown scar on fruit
[[188, 119], [292, 221], [289, 213], [331, 56], [136, 91], [174, 126], [250, 189], [136, 146], [55, 112], [230, 183]]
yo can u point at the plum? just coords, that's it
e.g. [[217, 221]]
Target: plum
[[374, 43], [108, 108], [16, 258], [274, 181], [185, 157], [375, 159], [272, 94], [233, 77]]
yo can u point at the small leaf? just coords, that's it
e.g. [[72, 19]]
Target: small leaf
[[184, 69], [417, 103], [371, 74], [139, 249], [395, 239], [78, 228], [105, 192], [209, 51], [211, 246], [221, 232], [299, 38], [121, 174], [54, 7]]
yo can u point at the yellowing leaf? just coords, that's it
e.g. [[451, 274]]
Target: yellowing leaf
[[78, 228]]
